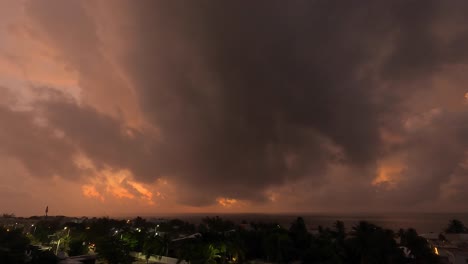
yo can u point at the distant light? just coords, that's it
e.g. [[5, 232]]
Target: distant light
[[32, 225], [436, 251], [65, 228], [8, 230], [157, 225]]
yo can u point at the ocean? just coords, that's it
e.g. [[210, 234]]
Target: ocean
[[422, 222]]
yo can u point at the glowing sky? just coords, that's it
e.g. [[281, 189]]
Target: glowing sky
[[147, 107]]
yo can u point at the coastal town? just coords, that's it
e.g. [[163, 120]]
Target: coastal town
[[61, 239]]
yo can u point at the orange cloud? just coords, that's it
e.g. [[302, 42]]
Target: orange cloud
[[91, 192], [116, 183], [388, 175], [145, 193], [226, 202]]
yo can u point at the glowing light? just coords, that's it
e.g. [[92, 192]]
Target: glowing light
[[108, 184], [436, 251], [226, 202], [388, 176]]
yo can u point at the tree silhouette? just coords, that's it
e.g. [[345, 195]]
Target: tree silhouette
[[13, 245], [372, 244], [456, 226], [114, 250]]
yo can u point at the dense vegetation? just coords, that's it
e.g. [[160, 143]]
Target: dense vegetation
[[217, 240]]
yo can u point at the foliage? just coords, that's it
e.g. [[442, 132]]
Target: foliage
[[38, 256], [220, 241], [456, 227], [199, 252], [156, 246], [77, 247], [45, 229], [372, 244], [114, 250], [13, 245], [418, 246]]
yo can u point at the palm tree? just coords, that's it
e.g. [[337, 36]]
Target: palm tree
[[340, 229], [156, 246], [361, 241], [150, 247], [372, 244], [199, 252], [212, 254], [456, 226]]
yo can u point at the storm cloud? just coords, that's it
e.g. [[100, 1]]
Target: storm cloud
[[242, 100]]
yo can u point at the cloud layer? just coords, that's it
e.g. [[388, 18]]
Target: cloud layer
[[259, 106]]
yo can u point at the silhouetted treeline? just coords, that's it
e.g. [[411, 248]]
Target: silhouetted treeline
[[217, 240]]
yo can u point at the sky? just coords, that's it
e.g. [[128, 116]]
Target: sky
[[157, 107]]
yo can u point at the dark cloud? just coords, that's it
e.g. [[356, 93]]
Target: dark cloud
[[106, 141], [279, 79], [435, 152], [245, 96], [38, 147], [279, 75]]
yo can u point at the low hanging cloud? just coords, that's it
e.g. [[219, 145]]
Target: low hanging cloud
[[255, 103]]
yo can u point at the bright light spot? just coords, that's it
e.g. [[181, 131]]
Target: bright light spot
[[436, 251], [226, 202], [388, 176]]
